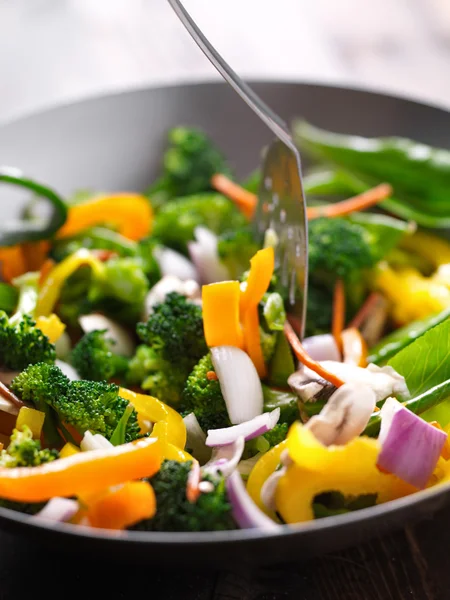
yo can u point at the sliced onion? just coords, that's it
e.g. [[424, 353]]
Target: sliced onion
[[196, 439], [245, 512], [225, 459], [63, 346], [269, 488], [94, 442], [8, 407], [239, 383], [58, 509], [169, 283], [193, 483], [173, 263], [121, 339], [248, 430], [345, 415], [385, 381], [203, 253], [322, 347], [410, 447], [68, 370]]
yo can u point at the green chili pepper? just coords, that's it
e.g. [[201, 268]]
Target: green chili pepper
[[19, 231], [419, 174]]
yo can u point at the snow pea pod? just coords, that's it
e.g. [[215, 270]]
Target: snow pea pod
[[419, 174], [14, 232]]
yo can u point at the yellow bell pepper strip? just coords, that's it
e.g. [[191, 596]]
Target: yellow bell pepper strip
[[220, 302], [69, 449], [350, 469], [262, 470], [82, 473], [52, 285], [434, 249], [51, 326], [152, 409], [305, 359], [354, 347], [170, 451], [131, 213], [412, 295], [34, 419], [261, 270], [252, 341], [122, 507]]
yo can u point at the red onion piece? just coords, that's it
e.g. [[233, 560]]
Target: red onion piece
[[248, 430], [173, 263], [245, 512], [239, 383], [410, 447], [225, 459], [58, 509], [203, 253], [121, 339], [322, 347], [193, 482]]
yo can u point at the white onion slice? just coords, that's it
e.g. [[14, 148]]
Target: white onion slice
[[94, 442], [68, 370], [225, 459], [269, 488], [345, 415], [239, 383], [121, 340], [384, 381], [196, 439], [203, 253], [245, 512], [63, 346], [173, 263], [322, 347], [8, 407], [410, 447], [169, 283], [248, 430], [58, 509]]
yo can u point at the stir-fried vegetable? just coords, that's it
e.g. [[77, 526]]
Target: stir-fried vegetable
[[151, 373]]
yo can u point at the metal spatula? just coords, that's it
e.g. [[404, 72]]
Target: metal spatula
[[281, 207]]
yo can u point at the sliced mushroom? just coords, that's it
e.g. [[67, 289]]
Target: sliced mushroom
[[384, 381], [169, 283], [345, 415], [310, 389]]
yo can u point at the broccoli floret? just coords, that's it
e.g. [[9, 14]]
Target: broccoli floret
[[235, 249], [276, 435], [85, 405], [174, 512], [23, 451], [154, 374], [175, 330], [93, 359], [175, 223], [319, 309], [188, 165], [338, 249], [203, 396], [23, 344], [124, 279]]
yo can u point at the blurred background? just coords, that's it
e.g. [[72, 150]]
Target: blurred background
[[59, 50]]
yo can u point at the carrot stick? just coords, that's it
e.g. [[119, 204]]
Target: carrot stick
[[305, 359], [360, 202], [338, 320], [244, 200], [365, 310]]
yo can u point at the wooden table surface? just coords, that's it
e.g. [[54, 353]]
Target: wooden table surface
[[56, 51]]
